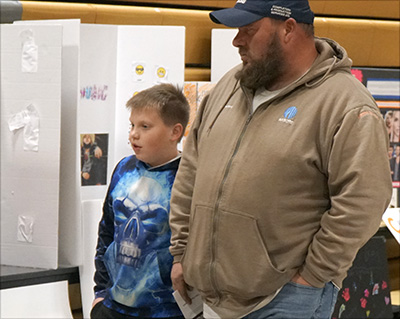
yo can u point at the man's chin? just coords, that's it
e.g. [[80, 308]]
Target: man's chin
[[245, 65], [244, 71]]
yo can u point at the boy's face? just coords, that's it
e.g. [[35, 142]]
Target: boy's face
[[153, 141]]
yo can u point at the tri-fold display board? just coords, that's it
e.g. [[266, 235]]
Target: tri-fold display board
[[62, 80]]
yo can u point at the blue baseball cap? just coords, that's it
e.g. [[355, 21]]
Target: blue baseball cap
[[248, 11]]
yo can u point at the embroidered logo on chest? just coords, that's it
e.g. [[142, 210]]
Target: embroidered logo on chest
[[289, 115]]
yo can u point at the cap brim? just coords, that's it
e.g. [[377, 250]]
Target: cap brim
[[233, 17]]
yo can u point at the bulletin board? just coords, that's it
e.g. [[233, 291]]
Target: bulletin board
[[384, 85]]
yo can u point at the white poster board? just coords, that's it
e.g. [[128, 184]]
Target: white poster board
[[30, 153], [91, 216], [70, 242], [132, 58], [161, 51], [224, 56], [96, 113]]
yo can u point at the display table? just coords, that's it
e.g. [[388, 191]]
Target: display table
[[36, 293], [12, 276]]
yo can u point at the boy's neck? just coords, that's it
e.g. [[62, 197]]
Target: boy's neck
[[167, 162]]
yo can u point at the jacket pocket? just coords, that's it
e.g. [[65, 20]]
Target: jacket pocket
[[130, 290], [197, 257], [243, 266]]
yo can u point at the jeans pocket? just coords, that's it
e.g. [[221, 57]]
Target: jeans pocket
[[94, 313], [301, 286]]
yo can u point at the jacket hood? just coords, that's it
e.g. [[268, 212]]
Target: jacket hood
[[331, 57]]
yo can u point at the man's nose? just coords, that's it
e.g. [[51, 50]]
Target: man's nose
[[238, 40]]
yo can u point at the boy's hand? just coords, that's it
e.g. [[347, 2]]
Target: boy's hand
[[178, 282], [97, 300]]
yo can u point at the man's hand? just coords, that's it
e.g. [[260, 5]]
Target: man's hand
[[300, 280], [178, 282]]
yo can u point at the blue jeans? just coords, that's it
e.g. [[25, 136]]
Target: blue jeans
[[296, 301]]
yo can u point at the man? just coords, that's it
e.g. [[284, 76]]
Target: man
[[284, 175]]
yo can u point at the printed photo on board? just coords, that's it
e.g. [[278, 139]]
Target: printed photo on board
[[94, 149]]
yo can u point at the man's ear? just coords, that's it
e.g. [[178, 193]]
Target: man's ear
[[289, 28], [177, 132]]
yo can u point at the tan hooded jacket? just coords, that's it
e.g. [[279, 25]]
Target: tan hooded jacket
[[299, 185]]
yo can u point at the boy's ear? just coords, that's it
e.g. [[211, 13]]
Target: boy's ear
[[177, 132]]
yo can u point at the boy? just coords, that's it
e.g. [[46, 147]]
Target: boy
[[133, 263]]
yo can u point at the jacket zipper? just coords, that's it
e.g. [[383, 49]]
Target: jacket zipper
[[216, 214]]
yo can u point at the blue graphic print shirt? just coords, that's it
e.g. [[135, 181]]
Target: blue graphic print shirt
[[133, 263]]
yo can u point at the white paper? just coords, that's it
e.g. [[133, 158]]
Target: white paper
[[392, 220], [192, 310], [208, 313]]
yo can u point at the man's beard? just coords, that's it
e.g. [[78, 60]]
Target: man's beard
[[266, 71]]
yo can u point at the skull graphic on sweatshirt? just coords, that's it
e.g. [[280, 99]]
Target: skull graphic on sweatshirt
[[142, 220]]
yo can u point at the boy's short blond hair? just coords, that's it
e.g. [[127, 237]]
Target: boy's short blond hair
[[167, 99]]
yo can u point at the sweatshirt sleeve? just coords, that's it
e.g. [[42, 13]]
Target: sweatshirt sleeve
[[182, 191], [105, 238], [360, 190]]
